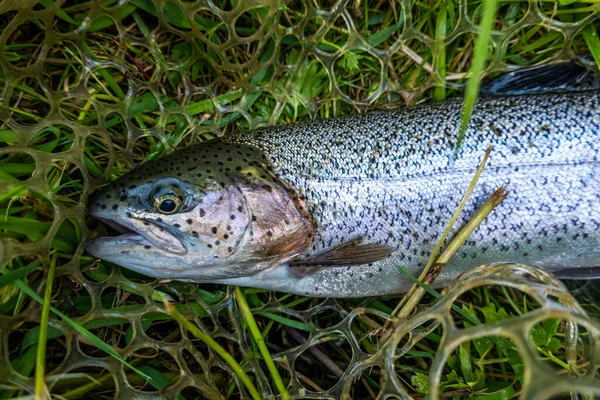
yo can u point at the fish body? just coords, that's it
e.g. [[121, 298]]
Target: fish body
[[298, 203]]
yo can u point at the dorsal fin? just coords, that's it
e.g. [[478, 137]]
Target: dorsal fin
[[351, 252], [566, 76], [578, 273]]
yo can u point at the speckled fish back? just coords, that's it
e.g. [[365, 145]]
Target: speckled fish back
[[394, 178]]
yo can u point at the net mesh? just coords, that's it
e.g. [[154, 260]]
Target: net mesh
[[91, 88]]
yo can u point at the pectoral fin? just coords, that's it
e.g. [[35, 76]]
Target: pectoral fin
[[351, 252]]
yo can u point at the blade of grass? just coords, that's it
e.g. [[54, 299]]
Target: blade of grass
[[415, 293], [159, 380], [493, 201], [260, 342], [439, 296], [287, 321], [216, 347], [80, 329], [41, 391], [17, 274], [479, 56], [439, 51], [591, 39]]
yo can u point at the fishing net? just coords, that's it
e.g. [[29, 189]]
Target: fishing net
[[90, 89]]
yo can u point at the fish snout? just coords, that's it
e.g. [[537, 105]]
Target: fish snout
[[104, 202]]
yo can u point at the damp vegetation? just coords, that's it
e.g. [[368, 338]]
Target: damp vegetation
[[91, 89]]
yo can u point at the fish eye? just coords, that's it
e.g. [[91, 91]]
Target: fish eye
[[167, 204]]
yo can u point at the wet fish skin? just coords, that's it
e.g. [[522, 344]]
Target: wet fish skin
[[393, 178]]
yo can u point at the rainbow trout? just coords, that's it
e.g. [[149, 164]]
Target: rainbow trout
[[335, 207]]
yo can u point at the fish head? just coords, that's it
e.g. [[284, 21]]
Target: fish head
[[184, 218]]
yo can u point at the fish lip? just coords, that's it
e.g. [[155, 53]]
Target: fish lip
[[127, 231], [131, 233], [115, 225]]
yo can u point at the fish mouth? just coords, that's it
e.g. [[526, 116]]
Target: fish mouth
[[130, 234], [117, 226]]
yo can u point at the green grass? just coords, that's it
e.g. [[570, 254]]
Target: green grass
[[182, 87]]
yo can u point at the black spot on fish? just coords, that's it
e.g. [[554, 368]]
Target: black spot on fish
[[214, 230], [159, 219], [103, 206], [132, 187], [147, 246], [209, 246], [232, 216], [195, 234], [202, 212], [176, 225], [218, 242], [108, 196], [225, 236], [230, 249], [115, 206], [189, 221]]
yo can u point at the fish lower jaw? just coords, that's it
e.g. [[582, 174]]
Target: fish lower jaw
[[132, 233], [131, 236], [130, 241], [97, 245]]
